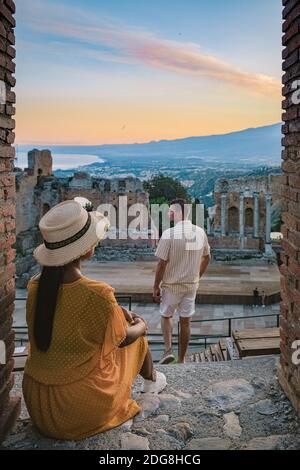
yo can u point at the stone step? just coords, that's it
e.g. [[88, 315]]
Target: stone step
[[204, 406]]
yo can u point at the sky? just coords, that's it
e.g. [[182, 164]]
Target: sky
[[121, 71]]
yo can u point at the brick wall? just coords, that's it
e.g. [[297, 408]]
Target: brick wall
[[9, 407], [289, 371]]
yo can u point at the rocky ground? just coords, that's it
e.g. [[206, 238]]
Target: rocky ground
[[234, 405]]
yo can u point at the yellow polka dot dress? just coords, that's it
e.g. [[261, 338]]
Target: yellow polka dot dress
[[82, 385]]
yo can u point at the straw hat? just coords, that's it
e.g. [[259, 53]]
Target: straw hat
[[69, 231]]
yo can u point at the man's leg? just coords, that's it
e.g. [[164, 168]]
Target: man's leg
[[167, 330], [184, 339]]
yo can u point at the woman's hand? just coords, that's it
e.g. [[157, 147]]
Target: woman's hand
[[128, 315], [131, 317]]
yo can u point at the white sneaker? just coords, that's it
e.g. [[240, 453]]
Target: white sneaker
[[157, 386]]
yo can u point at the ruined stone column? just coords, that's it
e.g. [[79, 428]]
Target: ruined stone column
[[268, 246], [242, 221], [223, 214], [9, 405], [256, 214]]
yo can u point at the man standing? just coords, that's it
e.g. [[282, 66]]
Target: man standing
[[184, 255]]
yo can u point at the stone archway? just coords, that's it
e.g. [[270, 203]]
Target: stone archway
[[233, 219], [249, 218]]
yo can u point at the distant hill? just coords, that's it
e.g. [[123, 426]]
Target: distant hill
[[256, 145]]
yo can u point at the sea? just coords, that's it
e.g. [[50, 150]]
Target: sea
[[61, 161]]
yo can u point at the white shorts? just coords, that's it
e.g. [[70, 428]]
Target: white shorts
[[183, 303]]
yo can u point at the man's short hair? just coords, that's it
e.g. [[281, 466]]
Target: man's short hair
[[180, 202]]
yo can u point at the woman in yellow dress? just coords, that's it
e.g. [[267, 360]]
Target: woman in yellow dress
[[85, 350]]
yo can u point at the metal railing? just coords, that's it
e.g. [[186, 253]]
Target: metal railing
[[229, 331], [196, 340]]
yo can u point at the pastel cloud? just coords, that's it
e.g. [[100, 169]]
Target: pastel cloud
[[105, 38]]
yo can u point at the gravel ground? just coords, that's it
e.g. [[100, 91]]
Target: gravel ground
[[234, 405]]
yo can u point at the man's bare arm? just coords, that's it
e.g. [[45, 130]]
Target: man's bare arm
[[160, 271], [204, 263]]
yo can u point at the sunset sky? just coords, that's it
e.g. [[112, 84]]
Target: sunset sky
[[118, 71]]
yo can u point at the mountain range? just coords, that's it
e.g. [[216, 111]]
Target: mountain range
[[254, 145]]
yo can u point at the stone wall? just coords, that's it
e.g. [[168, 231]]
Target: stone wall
[[231, 243], [26, 211], [9, 407], [35, 196], [40, 162], [38, 190], [289, 371], [125, 252], [257, 198]]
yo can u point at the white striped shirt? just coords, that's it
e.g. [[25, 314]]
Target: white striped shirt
[[183, 247]]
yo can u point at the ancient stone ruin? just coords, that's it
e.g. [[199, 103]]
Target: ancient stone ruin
[[243, 211], [38, 190], [202, 406]]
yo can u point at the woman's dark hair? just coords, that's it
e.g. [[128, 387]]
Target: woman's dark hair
[[49, 283]]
